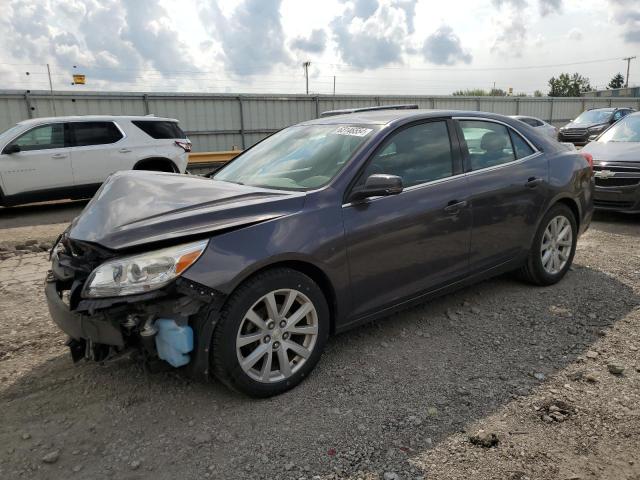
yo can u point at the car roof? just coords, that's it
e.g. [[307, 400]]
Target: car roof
[[386, 117], [92, 118]]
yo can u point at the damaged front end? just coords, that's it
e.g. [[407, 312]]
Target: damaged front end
[[166, 321]]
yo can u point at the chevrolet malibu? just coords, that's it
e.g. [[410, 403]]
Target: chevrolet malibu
[[318, 228], [616, 157]]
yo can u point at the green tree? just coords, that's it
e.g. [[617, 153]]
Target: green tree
[[538, 93], [479, 92], [568, 85], [616, 82], [471, 92], [497, 92]]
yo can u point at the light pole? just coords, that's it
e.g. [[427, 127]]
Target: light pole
[[628, 60], [305, 65]]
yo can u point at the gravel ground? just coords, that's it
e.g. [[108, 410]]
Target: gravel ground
[[499, 380]]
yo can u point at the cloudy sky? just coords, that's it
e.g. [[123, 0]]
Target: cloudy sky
[[369, 46]]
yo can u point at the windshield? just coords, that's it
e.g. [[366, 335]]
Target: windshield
[[626, 130], [594, 116], [297, 158]]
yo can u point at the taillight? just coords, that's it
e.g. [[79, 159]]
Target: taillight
[[186, 146], [589, 158]]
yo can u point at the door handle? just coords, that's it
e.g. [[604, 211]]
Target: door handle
[[454, 206], [533, 182], [124, 150], [59, 155]]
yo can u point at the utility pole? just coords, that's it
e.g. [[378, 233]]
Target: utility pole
[[53, 102], [334, 85], [305, 65], [628, 60]]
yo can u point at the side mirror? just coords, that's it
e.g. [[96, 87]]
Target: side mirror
[[592, 137], [12, 148], [377, 185]]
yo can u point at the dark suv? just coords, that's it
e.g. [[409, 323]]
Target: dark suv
[[590, 123], [318, 228]]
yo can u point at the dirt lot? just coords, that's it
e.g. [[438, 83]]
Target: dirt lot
[[527, 368]]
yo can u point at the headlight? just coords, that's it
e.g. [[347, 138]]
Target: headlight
[[142, 273], [598, 128]]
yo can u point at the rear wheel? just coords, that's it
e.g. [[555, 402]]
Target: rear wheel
[[553, 248], [271, 333]]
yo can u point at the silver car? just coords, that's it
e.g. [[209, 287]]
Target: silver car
[[538, 124], [616, 165]]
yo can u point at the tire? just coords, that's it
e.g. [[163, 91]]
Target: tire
[[534, 271], [234, 328]]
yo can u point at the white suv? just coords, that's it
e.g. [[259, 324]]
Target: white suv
[[70, 157]]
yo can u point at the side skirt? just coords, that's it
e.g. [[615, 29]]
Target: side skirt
[[431, 294]]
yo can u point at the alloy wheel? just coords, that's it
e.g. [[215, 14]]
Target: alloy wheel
[[557, 242], [277, 335]]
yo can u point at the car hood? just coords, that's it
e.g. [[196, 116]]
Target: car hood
[[134, 208], [583, 125], [614, 151]]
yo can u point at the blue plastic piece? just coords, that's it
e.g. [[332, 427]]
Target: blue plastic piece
[[173, 342]]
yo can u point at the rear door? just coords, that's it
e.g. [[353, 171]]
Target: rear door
[[159, 139], [42, 163], [507, 185], [96, 151], [404, 244]]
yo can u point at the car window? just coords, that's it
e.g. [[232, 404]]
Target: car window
[[618, 115], [488, 144], [41, 138], [160, 129], [417, 154], [522, 148], [94, 133]]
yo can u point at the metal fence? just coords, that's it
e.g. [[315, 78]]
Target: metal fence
[[221, 121]]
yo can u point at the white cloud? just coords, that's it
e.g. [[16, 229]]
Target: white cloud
[[443, 48], [368, 37], [252, 37], [626, 13]]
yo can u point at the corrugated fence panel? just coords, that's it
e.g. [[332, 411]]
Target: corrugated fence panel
[[276, 113], [217, 122], [626, 102], [566, 109], [12, 110], [535, 108], [215, 143]]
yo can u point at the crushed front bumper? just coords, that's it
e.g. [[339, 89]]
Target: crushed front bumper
[[104, 328], [96, 328]]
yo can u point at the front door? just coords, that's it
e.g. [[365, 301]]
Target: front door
[[42, 161], [507, 185], [401, 245]]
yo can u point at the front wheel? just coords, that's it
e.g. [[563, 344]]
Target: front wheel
[[553, 248], [271, 333]]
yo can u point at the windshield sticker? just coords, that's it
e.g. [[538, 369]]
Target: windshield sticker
[[353, 131]]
